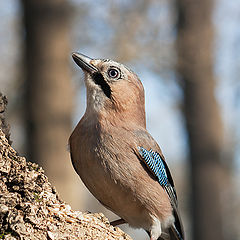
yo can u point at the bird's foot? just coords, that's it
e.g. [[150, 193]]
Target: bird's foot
[[118, 222]]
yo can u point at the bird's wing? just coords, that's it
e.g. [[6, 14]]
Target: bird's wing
[[149, 152], [160, 170]]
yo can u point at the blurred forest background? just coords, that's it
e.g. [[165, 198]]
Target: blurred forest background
[[187, 54]]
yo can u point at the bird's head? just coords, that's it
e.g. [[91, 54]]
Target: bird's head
[[113, 90]]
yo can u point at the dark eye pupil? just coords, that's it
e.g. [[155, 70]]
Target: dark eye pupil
[[113, 73]]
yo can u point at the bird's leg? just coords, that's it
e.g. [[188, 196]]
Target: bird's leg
[[118, 222]]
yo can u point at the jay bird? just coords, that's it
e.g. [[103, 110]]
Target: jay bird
[[116, 158]]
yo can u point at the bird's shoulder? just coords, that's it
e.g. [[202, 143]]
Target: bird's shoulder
[[144, 139]]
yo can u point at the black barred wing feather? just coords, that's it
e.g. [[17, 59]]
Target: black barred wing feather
[[161, 171]]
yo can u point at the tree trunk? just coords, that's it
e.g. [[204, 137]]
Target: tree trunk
[[49, 95], [203, 121], [3, 123]]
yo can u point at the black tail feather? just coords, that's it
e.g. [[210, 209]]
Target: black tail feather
[[174, 234], [177, 227]]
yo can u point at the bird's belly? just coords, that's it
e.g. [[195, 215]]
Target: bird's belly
[[114, 194]]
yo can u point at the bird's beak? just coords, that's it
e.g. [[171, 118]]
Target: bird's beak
[[84, 62]]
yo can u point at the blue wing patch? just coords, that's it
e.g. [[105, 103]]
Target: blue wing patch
[[155, 164], [160, 170]]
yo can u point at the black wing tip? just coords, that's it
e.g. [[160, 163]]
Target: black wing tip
[[177, 227], [174, 234]]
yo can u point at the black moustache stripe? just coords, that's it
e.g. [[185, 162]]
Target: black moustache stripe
[[99, 80]]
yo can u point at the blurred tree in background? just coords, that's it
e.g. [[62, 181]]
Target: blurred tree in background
[[48, 91], [171, 46], [203, 120]]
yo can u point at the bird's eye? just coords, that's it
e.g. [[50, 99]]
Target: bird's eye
[[113, 73]]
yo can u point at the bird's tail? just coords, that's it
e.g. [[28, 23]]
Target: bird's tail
[[176, 230], [174, 234]]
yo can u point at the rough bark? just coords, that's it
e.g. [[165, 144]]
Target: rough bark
[[30, 207], [3, 123], [201, 111], [49, 96]]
